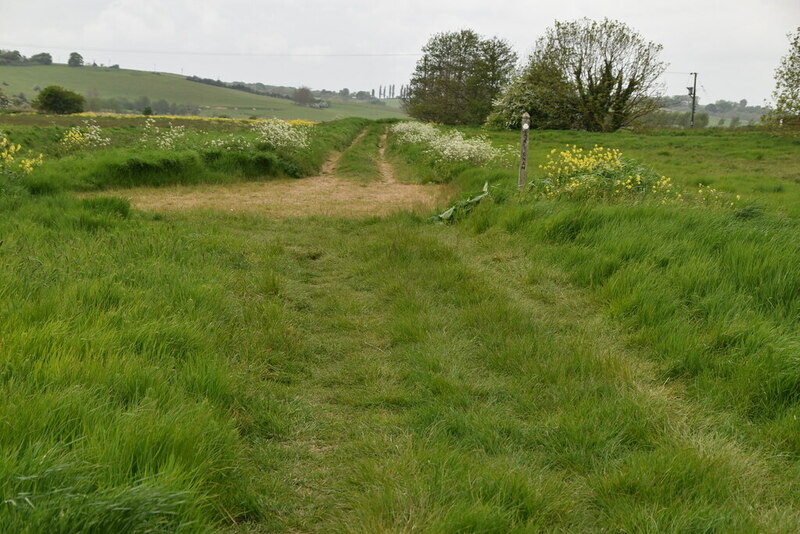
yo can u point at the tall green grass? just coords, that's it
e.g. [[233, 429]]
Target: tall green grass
[[538, 366], [711, 293], [122, 407], [190, 163]]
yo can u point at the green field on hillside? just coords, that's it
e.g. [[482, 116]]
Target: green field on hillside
[[542, 364], [213, 101]]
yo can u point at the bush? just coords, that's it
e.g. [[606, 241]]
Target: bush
[[447, 147], [282, 135], [88, 136], [56, 99], [600, 173], [12, 165]]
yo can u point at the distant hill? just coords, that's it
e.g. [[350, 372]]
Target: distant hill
[[104, 83]]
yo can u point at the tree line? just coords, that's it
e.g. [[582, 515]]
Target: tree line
[[14, 58], [584, 74]]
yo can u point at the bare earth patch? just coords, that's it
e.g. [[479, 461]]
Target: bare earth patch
[[318, 195]]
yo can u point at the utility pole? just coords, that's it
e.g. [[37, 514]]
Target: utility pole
[[693, 94]]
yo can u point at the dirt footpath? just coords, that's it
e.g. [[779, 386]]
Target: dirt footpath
[[325, 194]]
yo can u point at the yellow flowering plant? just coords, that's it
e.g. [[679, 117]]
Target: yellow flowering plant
[[600, 173], [13, 164], [85, 137]]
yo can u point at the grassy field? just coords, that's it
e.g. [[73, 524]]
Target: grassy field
[[212, 101], [542, 365]]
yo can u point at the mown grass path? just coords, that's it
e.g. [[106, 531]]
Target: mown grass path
[[325, 194], [449, 384]]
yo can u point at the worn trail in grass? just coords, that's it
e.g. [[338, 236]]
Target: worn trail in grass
[[449, 384], [365, 188]]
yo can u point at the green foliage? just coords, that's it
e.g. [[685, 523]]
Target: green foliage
[[75, 60], [56, 99], [701, 120], [541, 90], [458, 77], [13, 57], [787, 86], [303, 96], [192, 161], [42, 59], [597, 76]]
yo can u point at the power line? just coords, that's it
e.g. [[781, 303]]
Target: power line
[[193, 53]]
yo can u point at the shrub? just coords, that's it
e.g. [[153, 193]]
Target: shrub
[[282, 135], [599, 173], [55, 99], [447, 147], [13, 166], [90, 135]]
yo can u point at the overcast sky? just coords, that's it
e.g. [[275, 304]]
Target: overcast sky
[[735, 45]]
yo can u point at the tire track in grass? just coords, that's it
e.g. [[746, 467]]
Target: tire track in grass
[[442, 393], [694, 443]]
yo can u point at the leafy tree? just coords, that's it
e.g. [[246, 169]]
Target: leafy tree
[[303, 96], [147, 111], [735, 122], [42, 59], [160, 107], [701, 120], [75, 60], [723, 106], [11, 57], [541, 90], [787, 85], [55, 99], [604, 72], [458, 77]]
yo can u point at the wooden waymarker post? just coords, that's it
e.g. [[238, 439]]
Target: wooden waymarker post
[[523, 151]]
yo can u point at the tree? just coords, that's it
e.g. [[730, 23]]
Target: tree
[[55, 99], [723, 106], [541, 90], [11, 57], [75, 60], [787, 85], [303, 96], [604, 72], [42, 59], [458, 77]]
